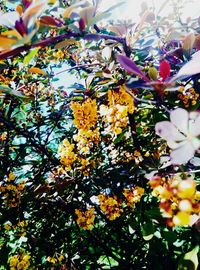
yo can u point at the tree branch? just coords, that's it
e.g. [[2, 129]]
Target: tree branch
[[53, 40]]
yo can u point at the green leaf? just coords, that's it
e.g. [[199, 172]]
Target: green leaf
[[107, 261], [147, 230], [10, 91], [30, 56], [170, 237], [120, 137], [190, 260]]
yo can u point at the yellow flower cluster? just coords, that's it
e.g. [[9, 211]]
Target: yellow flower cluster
[[58, 55], [188, 97], [86, 139], [178, 199], [110, 206], [121, 97], [3, 136], [67, 155], [19, 229], [85, 114], [56, 260], [85, 219], [115, 116], [85, 119], [10, 191], [20, 261], [133, 195]]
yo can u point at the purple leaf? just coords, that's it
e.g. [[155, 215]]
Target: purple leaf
[[130, 66]]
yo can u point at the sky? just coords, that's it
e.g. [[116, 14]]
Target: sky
[[131, 8]]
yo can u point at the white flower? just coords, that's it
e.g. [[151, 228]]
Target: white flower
[[181, 134]]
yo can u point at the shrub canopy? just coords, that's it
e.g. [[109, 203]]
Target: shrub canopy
[[102, 174]]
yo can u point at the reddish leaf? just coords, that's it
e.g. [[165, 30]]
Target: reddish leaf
[[81, 24], [131, 67], [164, 70], [197, 42], [50, 21]]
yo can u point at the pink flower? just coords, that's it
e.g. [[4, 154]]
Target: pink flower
[[181, 134]]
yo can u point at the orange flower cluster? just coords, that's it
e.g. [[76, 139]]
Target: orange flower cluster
[[179, 199], [133, 195], [10, 191], [85, 114], [85, 219], [110, 206], [188, 97]]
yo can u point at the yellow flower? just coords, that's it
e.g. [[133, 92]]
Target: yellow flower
[[67, 155], [110, 206], [85, 219], [60, 258], [13, 261], [86, 139], [3, 136], [186, 189], [85, 114], [178, 199], [115, 116], [11, 176], [121, 97], [181, 219], [7, 227], [185, 206], [133, 195], [51, 260]]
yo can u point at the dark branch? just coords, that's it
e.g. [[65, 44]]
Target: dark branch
[[54, 40]]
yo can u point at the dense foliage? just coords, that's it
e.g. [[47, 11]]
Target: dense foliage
[[104, 174]]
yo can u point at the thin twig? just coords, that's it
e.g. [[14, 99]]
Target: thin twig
[[75, 67], [139, 99]]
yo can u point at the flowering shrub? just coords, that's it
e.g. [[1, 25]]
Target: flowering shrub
[[103, 174]]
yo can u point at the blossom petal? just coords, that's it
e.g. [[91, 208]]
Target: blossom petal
[[182, 154], [174, 144], [190, 68], [179, 118], [196, 143], [168, 131], [194, 124]]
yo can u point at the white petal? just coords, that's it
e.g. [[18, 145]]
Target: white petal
[[179, 118], [168, 131], [174, 145], [194, 123], [196, 143], [190, 68], [182, 154], [195, 161], [9, 19]]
